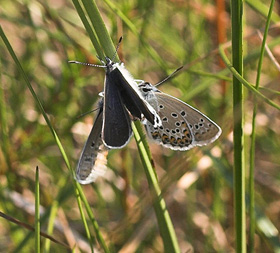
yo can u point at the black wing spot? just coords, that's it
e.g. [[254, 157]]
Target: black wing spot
[[174, 115], [183, 113], [157, 120]]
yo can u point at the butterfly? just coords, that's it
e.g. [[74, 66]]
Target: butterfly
[[183, 127], [93, 159], [122, 101], [121, 95]]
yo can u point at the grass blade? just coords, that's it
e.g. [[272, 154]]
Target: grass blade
[[252, 213], [238, 136], [99, 28], [52, 216], [165, 224], [37, 211], [91, 33]]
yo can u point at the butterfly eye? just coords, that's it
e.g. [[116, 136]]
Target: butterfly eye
[[146, 89]]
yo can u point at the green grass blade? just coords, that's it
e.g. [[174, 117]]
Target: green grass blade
[[252, 214], [53, 212], [37, 211], [3, 125], [92, 219], [100, 28], [238, 136], [96, 228], [165, 224], [91, 33]]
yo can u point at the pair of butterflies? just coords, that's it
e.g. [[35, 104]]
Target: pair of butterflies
[[168, 120]]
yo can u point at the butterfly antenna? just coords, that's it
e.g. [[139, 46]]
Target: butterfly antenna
[[86, 113], [87, 64], [168, 77], [117, 48]]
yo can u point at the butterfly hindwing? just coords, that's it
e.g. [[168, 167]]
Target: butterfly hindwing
[[183, 126], [93, 159]]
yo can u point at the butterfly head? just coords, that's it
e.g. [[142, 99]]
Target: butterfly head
[[146, 87]]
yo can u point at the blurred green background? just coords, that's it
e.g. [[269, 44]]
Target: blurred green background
[[197, 184]]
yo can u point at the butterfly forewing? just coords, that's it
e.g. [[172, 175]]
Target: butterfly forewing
[[131, 96], [116, 129], [93, 159]]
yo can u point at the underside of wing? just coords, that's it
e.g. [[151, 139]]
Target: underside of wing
[[93, 159], [183, 126]]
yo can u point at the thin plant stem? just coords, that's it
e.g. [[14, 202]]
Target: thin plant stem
[[252, 213], [37, 211], [165, 224], [238, 136]]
